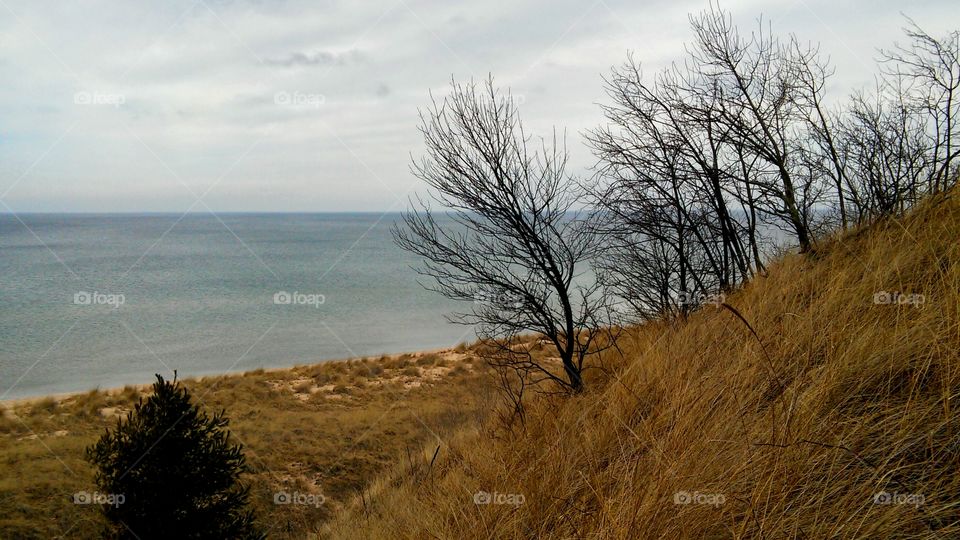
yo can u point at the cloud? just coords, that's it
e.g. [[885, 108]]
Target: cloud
[[321, 58], [200, 82]]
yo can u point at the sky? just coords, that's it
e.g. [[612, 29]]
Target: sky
[[312, 105]]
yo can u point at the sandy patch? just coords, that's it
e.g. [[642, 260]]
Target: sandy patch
[[299, 383], [113, 412]]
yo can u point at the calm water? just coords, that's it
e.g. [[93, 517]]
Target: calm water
[[198, 296]]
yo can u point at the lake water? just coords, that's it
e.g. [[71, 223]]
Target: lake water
[[105, 300]]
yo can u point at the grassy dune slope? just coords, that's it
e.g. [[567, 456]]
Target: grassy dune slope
[[324, 429], [790, 434]]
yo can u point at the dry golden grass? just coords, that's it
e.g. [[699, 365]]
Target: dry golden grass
[[790, 434], [321, 429]]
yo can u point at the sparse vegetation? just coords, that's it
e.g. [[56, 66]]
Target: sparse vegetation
[[834, 420], [323, 444]]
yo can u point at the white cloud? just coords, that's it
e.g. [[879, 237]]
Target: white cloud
[[199, 82]]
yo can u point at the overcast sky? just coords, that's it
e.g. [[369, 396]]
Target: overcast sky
[[311, 105]]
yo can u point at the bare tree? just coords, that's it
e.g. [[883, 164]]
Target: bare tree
[[886, 147], [819, 150], [660, 180], [756, 81], [900, 141], [510, 235], [699, 162], [928, 72]]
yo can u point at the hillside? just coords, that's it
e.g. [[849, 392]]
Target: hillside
[[323, 430], [834, 420]]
